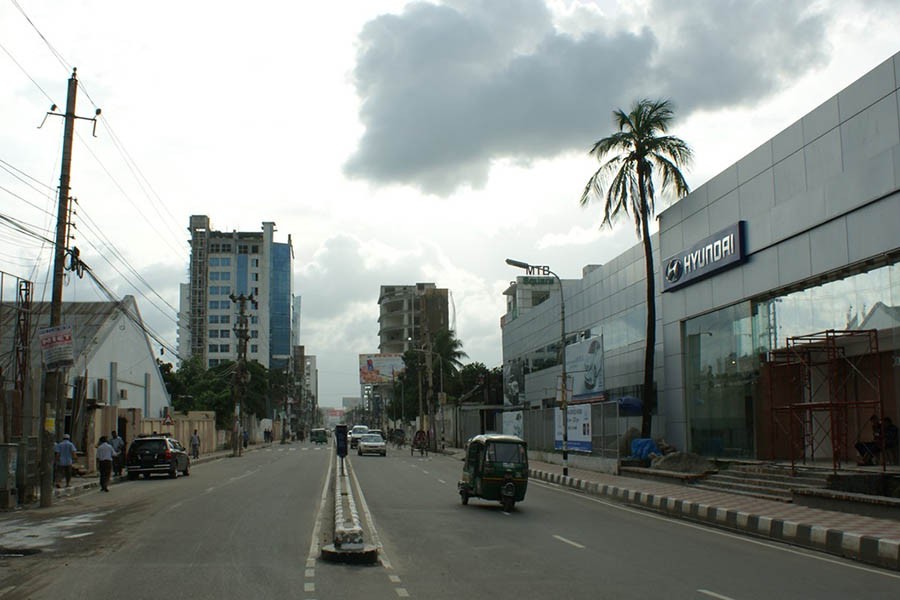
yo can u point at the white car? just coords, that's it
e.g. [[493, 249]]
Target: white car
[[371, 443], [357, 432]]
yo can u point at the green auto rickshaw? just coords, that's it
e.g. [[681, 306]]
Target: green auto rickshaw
[[318, 436], [495, 468]]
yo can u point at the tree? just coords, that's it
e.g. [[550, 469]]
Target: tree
[[449, 348], [630, 159]]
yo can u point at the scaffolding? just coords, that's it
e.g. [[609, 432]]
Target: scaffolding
[[838, 377]]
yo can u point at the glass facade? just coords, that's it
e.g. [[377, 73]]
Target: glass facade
[[723, 350], [280, 306]]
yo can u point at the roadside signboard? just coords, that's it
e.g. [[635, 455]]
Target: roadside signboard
[[379, 368], [56, 346]]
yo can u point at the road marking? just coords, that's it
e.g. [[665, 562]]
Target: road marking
[[402, 592], [309, 586], [426, 472], [310, 573], [714, 595], [394, 578], [79, 535], [176, 505], [376, 541], [7, 590], [208, 490], [310, 562], [566, 541], [712, 530], [442, 481]]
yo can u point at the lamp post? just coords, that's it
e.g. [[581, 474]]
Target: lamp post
[[563, 403], [440, 358]]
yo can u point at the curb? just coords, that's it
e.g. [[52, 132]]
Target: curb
[[863, 548]]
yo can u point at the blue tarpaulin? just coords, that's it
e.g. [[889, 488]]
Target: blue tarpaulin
[[642, 447]]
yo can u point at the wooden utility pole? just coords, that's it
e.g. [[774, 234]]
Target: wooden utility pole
[[240, 371], [54, 400]]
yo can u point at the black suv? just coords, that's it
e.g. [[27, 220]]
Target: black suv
[[157, 454]]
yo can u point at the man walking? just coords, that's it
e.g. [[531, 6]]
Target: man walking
[[195, 445], [118, 446], [65, 457], [105, 454]]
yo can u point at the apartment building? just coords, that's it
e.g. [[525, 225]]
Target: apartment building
[[408, 312], [224, 265]]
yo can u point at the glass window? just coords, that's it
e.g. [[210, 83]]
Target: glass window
[[254, 334], [226, 260], [254, 320], [242, 248], [224, 348], [213, 304], [213, 333], [254, 348], [225, 275], [214, 362], [213, 347], [213, 290], [213, 261], [226, 248], [213, 275], [225, 333], [225, 319], [254, 262], [721, 374], [213, 318], [254, 276], [225, 290], [215, 248], [254, 249]]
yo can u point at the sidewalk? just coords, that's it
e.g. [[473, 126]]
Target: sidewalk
[[866, 539], [81, 485]]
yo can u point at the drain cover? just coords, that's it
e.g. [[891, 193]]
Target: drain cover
[[17, 552]]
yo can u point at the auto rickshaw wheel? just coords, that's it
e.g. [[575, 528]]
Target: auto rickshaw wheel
[[508, 504], [464, 496]]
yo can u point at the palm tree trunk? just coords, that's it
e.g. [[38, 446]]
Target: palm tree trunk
[[649, 351]]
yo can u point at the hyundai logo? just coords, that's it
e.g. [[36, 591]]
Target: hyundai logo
[[674, 270]]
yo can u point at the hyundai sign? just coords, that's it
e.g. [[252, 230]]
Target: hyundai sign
[[711, 255]]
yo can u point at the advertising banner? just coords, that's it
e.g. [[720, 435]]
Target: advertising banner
[[514, 382], [579, 430], [584, 366], [376, 369], [56, 346], [513, 423]]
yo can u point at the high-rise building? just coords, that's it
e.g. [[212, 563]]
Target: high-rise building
[[408, 312], [225, 265]]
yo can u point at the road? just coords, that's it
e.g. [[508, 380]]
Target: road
[[246, 528]]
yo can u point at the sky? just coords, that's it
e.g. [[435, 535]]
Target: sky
[[395, 142]]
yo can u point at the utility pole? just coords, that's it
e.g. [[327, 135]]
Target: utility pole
[[429, 370], [54, 400], [240, 372]]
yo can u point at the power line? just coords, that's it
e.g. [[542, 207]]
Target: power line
[[53, 51], [21, 68]]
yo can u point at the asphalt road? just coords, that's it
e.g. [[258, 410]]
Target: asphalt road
[[246, 528]]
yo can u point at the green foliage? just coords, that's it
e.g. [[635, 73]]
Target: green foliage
[[193, 387]]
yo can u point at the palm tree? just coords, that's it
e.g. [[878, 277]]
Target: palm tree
[[630, 159], [449, 348]]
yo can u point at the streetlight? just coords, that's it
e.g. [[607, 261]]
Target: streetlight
[[430, 390], [564, 404]]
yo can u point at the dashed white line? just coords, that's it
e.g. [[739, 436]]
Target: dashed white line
[[394, 578], [567, 541], [714, 595], [309, 586], [310, 573], [442, 481], [402, 592], [79, 535]]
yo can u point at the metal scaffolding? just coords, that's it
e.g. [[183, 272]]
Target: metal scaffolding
[[837, 375]]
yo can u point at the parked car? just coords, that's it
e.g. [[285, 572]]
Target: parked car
[[357, 432], [371, 443], [157, 454]]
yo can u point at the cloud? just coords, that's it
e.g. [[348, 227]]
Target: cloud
[[447, 89]]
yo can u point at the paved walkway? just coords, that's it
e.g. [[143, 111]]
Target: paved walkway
[[866, 539]]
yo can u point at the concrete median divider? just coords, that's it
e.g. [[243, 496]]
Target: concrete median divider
[[348, 543]]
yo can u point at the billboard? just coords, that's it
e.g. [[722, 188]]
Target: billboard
[[377, 369], [579, 428], [584, 366], [56, 346]]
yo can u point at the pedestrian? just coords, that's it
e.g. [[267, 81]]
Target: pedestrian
[[105, 455], [118, 444], [65, 457], [195, 445], [246, 438], [868, 451]]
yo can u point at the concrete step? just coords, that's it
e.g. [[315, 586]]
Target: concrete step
[[753, 492], [779, 484], [815, 480]]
